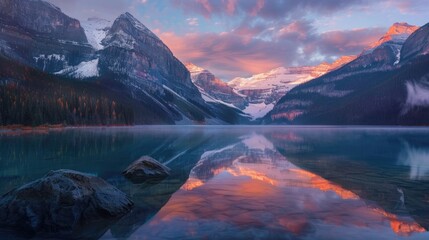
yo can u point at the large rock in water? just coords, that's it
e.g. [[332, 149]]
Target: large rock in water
[[63, 202], [145, 168]]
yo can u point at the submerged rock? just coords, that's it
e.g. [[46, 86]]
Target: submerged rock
[[63, 202], [145, 168]]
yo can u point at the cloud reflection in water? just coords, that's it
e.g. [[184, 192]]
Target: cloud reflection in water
[[417, 159], [257, 192]]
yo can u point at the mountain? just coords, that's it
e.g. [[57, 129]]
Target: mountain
[[38, 34], [263, 90], [398, 32], [386, 52], [417, 44], [143, 66], [387, 85], [213, 89], [31, 97], [256, 95], [123, 59], [96, 30], [143, 62], [136, 60]]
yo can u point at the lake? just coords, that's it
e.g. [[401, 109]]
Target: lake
[[244, 182]]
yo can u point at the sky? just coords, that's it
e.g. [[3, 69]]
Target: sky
[[239, 38]]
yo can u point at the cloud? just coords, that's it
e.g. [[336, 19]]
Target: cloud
[[232, 54], [417, 94], [268, 34], [242, 37], [226, 54], [192, 21], [413, 6], [348, 41], [270, 9], [107, 9]]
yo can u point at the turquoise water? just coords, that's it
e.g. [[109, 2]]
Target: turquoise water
[[245, 182]]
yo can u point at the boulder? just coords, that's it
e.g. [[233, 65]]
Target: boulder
[[62, 202], [145, 168]]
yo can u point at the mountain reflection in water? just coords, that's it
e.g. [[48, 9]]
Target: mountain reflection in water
[[245, 183], [249, 190]]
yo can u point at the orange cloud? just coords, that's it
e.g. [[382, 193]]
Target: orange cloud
[[227, 55]]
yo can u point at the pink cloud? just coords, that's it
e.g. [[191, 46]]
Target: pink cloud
[[236, 53], [231, 6], [345, 42], [226, 54]]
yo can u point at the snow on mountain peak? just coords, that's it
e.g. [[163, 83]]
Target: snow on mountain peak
[[398, 33], [284, 78], [257, 95], [96, 30], [263, 90], [136, 24], [213, 89], [194, 69], [127, 32], [401, 28], [201, 76]]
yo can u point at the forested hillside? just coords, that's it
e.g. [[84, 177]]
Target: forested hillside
[[30, 97]]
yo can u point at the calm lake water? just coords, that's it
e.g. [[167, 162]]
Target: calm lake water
[[245, 182]]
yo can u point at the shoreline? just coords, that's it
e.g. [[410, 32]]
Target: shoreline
[[17, 129], [59, 127]]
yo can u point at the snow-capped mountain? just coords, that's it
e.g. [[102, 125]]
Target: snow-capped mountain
[[381, 86], [213, 89], [144, 66], [124, 58], [398, 32], [392, 42], [257, 95], [130, 49], [38, 34], [96, 30], [263, 90]]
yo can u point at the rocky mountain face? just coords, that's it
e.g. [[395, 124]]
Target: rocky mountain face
[[144, 66], [398, 32], [385, 53], [124, 58], [213, 89], [38, 34], [417, 44], [384, 85], [133, 51], [257, 95]]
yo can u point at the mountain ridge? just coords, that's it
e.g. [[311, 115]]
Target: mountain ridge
[[373, 89], [129, 60]]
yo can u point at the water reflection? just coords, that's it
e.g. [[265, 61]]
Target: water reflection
[[363, 161], [417, 159], [245, 183], [248, 190]]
